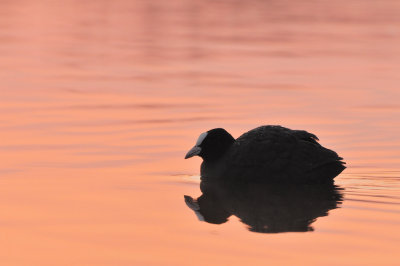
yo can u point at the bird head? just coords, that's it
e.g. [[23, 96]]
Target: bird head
[[211, 145]]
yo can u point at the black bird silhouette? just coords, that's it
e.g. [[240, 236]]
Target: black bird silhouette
[[267, 154], [265, 207]]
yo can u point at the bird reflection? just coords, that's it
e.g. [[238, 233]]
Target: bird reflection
[[265, 208]]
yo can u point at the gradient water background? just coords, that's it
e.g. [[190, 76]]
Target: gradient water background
[[100, 100]]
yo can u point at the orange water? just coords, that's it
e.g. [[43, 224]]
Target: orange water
[[100, 101]]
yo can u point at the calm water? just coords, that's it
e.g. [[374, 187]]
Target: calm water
[[100, 101]]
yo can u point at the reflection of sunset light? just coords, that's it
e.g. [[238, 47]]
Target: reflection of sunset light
[[100, 100]]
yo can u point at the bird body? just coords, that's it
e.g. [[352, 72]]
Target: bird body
[[267, 154]]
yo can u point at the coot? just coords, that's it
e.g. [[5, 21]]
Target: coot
[[268, 154]]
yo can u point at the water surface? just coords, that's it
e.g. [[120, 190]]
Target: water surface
[[100, 101]]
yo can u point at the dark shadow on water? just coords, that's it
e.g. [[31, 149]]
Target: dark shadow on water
[[266, 208]]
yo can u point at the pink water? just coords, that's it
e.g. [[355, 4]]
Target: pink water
[[100, 101]]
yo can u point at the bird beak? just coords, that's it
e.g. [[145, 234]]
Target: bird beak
[[193, 152]]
